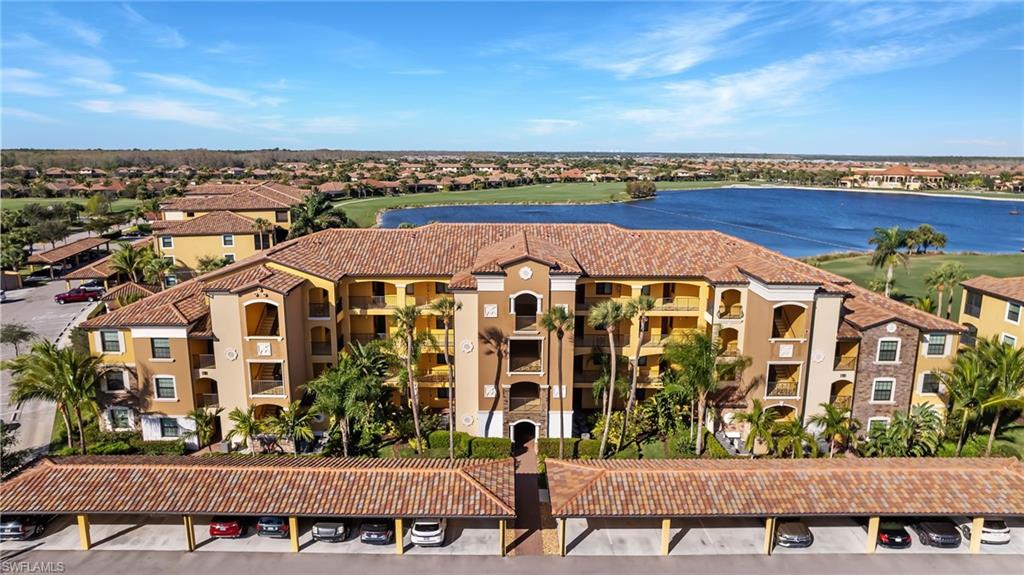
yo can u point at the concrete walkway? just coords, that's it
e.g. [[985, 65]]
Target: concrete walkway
[[526, 537]]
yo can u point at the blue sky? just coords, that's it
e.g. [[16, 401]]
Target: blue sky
[[806, 77]]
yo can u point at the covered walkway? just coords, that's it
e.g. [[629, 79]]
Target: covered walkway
[[70, 255]]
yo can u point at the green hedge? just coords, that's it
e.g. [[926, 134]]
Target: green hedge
[[162, 448], [490, 447], [713, 449], [588, 449], [439, 440], [548, 447]]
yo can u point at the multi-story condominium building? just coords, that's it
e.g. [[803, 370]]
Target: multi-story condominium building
[[253, 333], [991, 307]]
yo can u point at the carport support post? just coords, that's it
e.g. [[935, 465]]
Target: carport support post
[[769, 535], [83, 532], [666, 528], [872, 541], [977, 524], [293, 532], [190, 534], [501, 537], [561, 537], [399, 537]]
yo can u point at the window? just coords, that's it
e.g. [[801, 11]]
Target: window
[[877, 423], [227, 240], [165, 388], [1013, 312], [110, 342], [190, 214], [936, 344], [281, 216], [440, 359], [438, 322], [114, 381], [1009, 340], [888, 350], [166, 242], [930, 383], [882, 390], [161, 347], [169, 427], [120, 418], [230, 258], [170, 280], [603, 288], [973, 305], [642, 361], [440, 287], [442, 392]]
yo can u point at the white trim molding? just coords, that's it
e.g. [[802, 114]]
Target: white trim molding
[[490, 282], [892, 391], [899, 348], [782, 293], [1009, 306], [160, 332], [564, 283], [174, 381]]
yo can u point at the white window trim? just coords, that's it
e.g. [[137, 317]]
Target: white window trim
[[892, 391], [170, 239], [508, 364], [160, 428], [173, 379], [512, 300], [927, 343], [1005, 335], [899, 348], [124, 377], [920, 386], [120, 342], [223, 242], [233, 259], [886, 420], [110, 418], [1020, 311], [799, 380]]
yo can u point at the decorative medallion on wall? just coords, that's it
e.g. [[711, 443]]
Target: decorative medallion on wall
[[490, 391], [525, 272], [231, 354], [891, 328], [467, 419], [490, 310], [263, 348], [818, 357], [786, 350], [467, 346]]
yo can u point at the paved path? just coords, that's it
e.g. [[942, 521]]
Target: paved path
[[527, 538], [229, 563]]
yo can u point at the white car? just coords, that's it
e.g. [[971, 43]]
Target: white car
[[428, 532], [993, 531]]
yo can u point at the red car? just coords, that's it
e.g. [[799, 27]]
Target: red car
[[230, 527], [77, 295]]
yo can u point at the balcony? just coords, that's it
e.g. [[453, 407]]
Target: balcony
[[203, 361], [587, 303], [585, 376], [736, 312], [365, 338], [207, 400], [678, 303], [319, 310], [845, 363], [600, 341], [375, 302], [524, 366], [842, 401], [526, 323], [782, 388], [524, 405], [267, 387], [321, 347]]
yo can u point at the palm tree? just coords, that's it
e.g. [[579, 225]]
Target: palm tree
[[1005, 366], [925, 304], [245, 427], [205, 422], [702, 364], [446, 306], [316, 213], [936, 279], [925, 237], [792, 436], [605, 316], [889, 243], [210, 263], [953, 273], [835, 422], [262, 227], [131, 260], [405, 319], [637, 310], [968, 384], [294, 423], [558, 320], [916, 434], [760, 425], [157, 270]]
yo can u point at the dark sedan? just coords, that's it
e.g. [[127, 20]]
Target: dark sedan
[[793, 533], [893, 535], [377, 531], [77, 295], [937, 533], [20, 527], [271, 526]]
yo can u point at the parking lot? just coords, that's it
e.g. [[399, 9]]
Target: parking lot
[[164, 533]]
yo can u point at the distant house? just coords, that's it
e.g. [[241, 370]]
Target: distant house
[[895, 178]]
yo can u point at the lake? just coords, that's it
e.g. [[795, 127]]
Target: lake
[[796, 222]]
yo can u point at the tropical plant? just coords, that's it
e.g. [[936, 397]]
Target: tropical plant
[[131, 260], [836, 424], [11, 458], [245, 427], [157, 271], [293, 423], [211, 263], [15, 334], [936, 280], [889, 245], [605, 316], [760, 425], [559, 321], [316, 213], [917, 434], [262, 227], [204, 422], [954, 273], [405, 320], [969, 386], [1005, 367], [925, 237], [636, 309], [791, 436], [446, 306], [702, 364], [925, 304]]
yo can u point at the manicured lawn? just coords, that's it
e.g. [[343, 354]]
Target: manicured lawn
[[364, 210], [910, 281], [118, 205]]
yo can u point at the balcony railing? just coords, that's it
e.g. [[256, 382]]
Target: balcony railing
[[321, 347], [368, 337], [524, 366], [677, 303], [435, 377], [845, 363], [590, 302], [207, 400], [782, 388], [374, 302], [204, 361], [735, 312], [599, 341], [585, 376], [842, 401], [267, 387], [523, 404], [526, 323], [319, 309]]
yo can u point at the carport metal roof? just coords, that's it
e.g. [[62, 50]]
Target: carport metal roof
[[765, 488], [247, 485]]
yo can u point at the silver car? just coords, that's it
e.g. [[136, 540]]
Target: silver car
[[428, 532]]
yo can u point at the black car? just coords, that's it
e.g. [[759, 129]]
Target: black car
[[937, 533], [793, 533], [893, 535], [377, 531], [21, 527], [332, 530], [271, 526]]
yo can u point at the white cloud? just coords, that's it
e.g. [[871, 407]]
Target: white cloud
[[546, 126], [22, 41], [194, 86], [159, 34], [906, 17], [25, 82], [156, 108], [96, 85], [26, 115], [81, 66], [84, 32]]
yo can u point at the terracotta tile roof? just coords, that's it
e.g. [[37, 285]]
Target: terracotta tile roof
[[66, 251], [99, 269], [1005, 288], [211, 224], [215, 189], [246, 485], [261, 196], [866, 309], [522, 245], [130, 289], [272, 279], [861, 486]]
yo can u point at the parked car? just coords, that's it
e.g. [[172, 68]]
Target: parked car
[[21, 527], [227, 527], [93, 286], [993, 531], [3, 296], [377, 531], [271, 526], [332, 530], [77, 295], [893, 535], [428, 532], [937, 533], [793, 533]]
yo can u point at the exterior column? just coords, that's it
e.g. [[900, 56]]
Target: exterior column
[[190, 533], [293, 532], [666, 530], [501, 537], [872, 541], [399, 538], [561, 537], [769, 535], [977, 524], [83, 532]]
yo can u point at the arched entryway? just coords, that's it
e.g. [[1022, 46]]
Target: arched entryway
[[523, 433]]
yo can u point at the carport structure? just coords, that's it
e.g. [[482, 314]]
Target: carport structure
[[243, 485], [71, 253], [768, 490]]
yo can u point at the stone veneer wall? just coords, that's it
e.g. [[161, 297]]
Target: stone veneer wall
[[868, 370]]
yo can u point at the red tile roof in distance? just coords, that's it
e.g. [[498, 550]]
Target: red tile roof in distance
[[66, 251], [1005, 288], [247, 485], [760, 487]]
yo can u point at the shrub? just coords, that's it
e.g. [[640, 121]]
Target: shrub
[[161, 447], [439, 440], [490, 447], [641, 189], [548, 447], [629, 452], [713, 449], [111, 448], [588, 449], [681, 445]]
